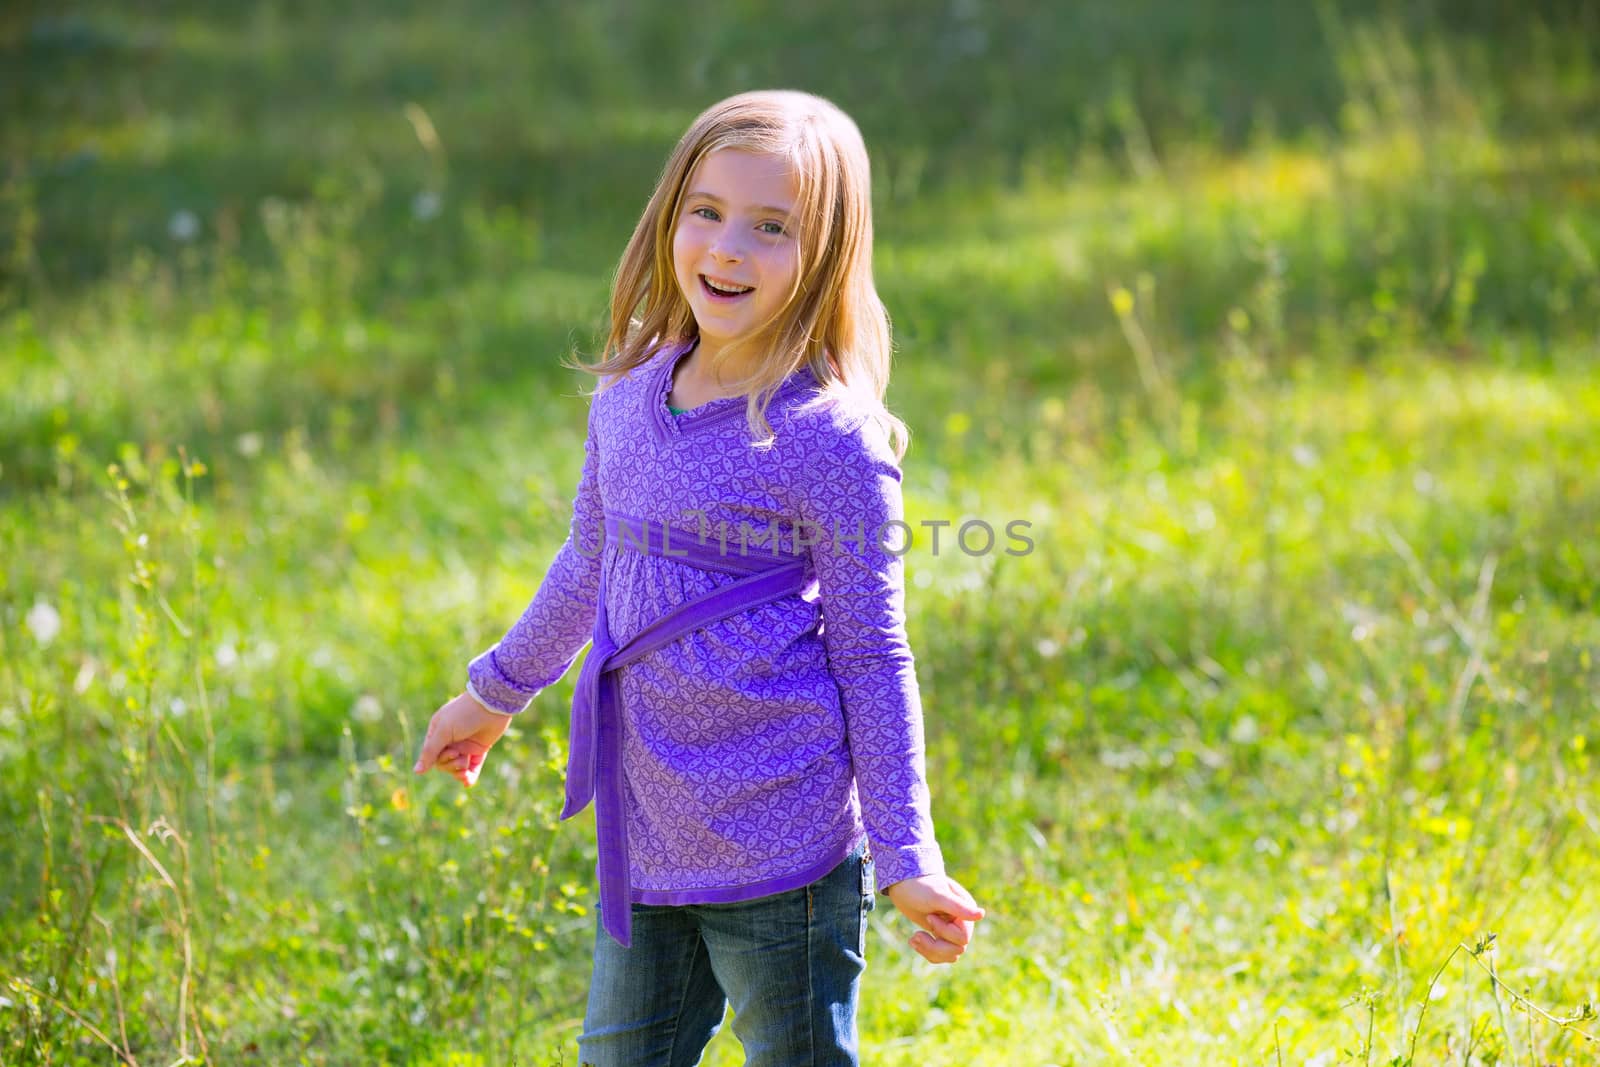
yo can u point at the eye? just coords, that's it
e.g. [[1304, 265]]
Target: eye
[[774, 229], [705, 213]]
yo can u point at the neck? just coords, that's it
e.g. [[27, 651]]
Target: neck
[[718, 368]]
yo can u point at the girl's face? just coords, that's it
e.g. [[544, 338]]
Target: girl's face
[[735, 253]]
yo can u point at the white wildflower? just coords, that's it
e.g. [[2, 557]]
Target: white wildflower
[[44, 622], [183, 226], [367, 709], [425, 205]]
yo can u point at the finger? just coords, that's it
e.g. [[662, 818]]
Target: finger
[[934, 949], [960, 902], [431, 744], [956, 932]]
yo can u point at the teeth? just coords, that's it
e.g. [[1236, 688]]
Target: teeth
[[726, 290]]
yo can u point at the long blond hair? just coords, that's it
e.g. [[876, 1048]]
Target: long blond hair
[[832, 322]]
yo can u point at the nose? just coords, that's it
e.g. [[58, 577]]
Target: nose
[[725, 249]]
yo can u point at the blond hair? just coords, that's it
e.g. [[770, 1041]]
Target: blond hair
[[832, 322]]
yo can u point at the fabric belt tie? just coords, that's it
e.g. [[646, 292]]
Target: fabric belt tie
[[594, 761]]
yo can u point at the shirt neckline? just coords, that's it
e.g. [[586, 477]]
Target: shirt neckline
[[712, 412]]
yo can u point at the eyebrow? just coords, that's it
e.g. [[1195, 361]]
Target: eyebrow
[[767, 209]]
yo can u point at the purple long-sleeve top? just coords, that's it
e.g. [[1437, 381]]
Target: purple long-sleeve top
[[755, 751]]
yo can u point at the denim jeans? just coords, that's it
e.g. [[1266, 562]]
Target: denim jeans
[[789, 963]]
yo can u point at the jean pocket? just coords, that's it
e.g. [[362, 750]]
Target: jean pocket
[[869, 888], [868, 902]]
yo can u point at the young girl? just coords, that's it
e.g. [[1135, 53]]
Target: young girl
[[747, 720]]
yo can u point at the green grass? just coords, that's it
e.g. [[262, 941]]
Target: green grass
[[1277, 324]]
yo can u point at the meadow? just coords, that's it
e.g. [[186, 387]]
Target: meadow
[[1278, 322]]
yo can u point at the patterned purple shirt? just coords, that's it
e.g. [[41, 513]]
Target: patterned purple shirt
[[755, 751]]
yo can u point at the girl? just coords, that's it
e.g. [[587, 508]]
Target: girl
[[747, 720]]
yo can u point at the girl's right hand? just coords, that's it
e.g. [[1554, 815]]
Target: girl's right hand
[[459, 737]]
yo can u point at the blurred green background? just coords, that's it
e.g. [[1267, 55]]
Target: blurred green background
[[1278, 321]]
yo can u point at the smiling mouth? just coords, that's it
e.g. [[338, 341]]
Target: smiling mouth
[[723, 289]]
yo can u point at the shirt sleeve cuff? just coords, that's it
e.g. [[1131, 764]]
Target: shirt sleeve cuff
[[489, 686], [891, 865], [484, 704]]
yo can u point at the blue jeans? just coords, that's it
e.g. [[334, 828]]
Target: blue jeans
[[790, 963]]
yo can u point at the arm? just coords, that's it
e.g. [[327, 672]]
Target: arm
[[853, 488], [856, 487], [543, 644]]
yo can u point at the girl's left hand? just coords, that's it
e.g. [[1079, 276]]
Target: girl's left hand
[[945, 911]]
